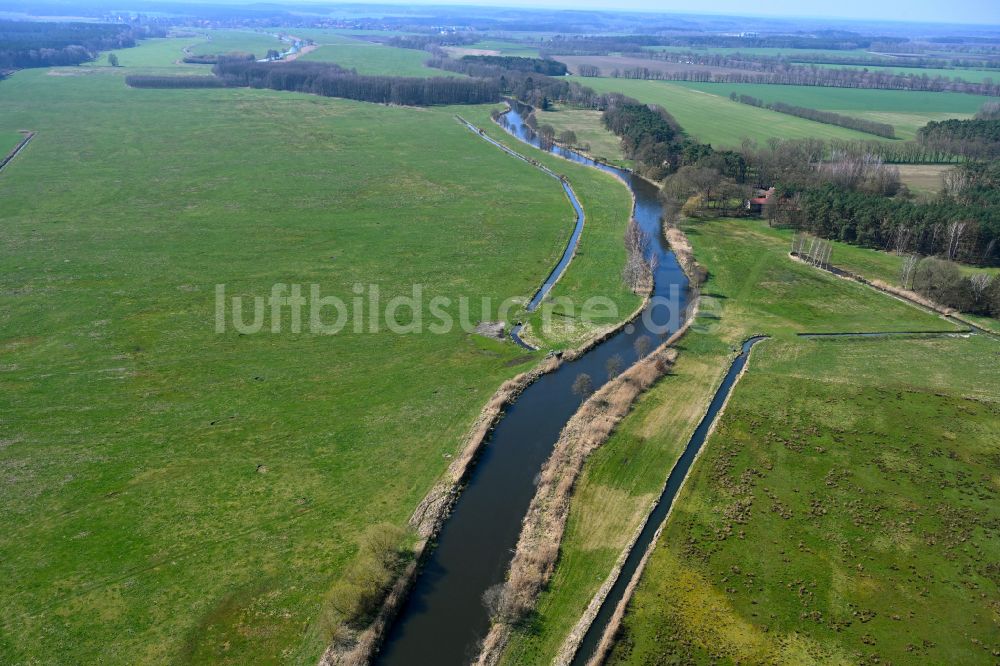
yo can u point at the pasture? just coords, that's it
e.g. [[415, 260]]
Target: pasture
[[718, 120], [173, 493], [753, 288], [842, 512]]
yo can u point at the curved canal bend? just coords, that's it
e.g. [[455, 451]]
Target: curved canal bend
[[444, 618]]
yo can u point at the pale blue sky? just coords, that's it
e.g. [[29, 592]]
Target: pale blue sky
[[927, 11]]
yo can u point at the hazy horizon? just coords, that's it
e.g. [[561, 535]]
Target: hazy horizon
[[984, 12]]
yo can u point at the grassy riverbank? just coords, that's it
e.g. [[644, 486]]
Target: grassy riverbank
[[174, 493], [843, 512], [596, 268], [753, 287], [590, 132]]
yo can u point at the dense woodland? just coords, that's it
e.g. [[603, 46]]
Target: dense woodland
[[977, 138], [520, 64], [860, 124], [333, 81], [42, 44]]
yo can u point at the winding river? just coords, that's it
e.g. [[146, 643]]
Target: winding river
[[444, 618]]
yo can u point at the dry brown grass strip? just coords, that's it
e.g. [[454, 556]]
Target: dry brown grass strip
[[538, 546]]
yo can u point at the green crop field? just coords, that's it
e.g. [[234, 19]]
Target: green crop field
[[844, 511], [715, 118], [906, 110], [373, 58], [173, 493], [753, 288], [972, 75]]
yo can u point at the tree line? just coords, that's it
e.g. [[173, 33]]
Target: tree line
[[652, 138], [521, 64], [330, 80], [26, 44], [193, 81], [818, 76], [828, 117], [976, 138]]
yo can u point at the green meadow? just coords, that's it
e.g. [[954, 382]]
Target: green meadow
[[238, 41], [8, 139], [596, 267], [716, 119], [843, 511], [174, 493], [753, 288], [505, 47], [372, 57], [906, 110], [589, 129]]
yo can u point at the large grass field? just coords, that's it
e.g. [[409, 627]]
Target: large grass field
[[590, 131], [505, 47], [373, 58], [596, 267], [716, 119], [753, 288], [844, 511], [238, 41], [173, 493], [906, 110], [8, 139]]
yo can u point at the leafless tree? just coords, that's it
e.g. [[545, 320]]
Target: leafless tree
[[614, 366], [978, 284], [907, 271], [955, 231], [636, 266], [583, 385], [642, 345]]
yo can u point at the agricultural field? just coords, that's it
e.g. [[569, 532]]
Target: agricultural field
[[373, 58], [589, 129], [179, 494], [753, 288], [718, 120], [844, 511], [761, 51], [906, 110], [972, 75], [504, 47]]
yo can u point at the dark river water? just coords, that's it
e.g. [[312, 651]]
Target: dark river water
[[444, 618]]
